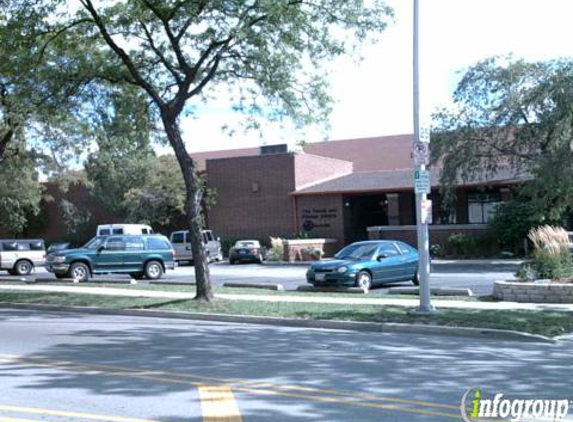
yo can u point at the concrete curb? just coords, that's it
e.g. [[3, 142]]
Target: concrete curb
[[478, 261], [266, 286], [383, 327], [289, 264]]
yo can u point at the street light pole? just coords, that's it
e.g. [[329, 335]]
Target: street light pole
[[421, 197]]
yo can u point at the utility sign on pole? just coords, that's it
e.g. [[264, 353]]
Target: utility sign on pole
[[421, 153], [422, 183]]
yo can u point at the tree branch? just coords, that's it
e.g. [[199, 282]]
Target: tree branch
[[122, 54]]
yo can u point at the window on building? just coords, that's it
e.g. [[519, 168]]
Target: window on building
[[482, 206]]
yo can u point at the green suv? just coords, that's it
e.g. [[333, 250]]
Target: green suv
[[137, 255]]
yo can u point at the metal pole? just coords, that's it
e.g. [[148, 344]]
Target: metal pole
[[422, 229]]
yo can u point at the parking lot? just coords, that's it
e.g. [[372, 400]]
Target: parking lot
[[478, 277]]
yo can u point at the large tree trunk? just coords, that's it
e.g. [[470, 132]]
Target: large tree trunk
[[193, 197]]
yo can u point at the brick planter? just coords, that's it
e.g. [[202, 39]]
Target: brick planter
[[294, 249], [511, 291]]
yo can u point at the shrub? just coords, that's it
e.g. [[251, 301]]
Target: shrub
[[461, 244], [437, 251], [551, 258], [276, 252]]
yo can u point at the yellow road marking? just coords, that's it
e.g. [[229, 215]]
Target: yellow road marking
[[218, 404], [150, 375], [366, 396], [77, 415]]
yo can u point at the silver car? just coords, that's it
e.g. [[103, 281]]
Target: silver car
[[21, 256]]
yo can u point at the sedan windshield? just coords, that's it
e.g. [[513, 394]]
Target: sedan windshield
[[95, 243], [360, 251]]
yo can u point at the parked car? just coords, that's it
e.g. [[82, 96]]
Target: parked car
[[138, 255], [120, 229], [246, 251], [182, 244], [21, 256], [365, 264], [570, 234]]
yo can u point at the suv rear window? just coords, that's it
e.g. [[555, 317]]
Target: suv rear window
[[157, 243], [37, 246]]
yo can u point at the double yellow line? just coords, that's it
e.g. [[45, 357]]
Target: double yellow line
[[220, 395]]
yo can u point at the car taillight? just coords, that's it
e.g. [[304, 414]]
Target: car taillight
[[254, 251], [173, 254]]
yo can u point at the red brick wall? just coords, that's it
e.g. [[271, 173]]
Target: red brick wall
[[253, 196]]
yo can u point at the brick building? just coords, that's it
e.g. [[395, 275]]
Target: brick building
[[345, 190]]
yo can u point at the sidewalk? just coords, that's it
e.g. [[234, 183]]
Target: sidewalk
[[108, 291]]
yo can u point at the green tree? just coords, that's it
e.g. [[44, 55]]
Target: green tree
[[515, 116], [267, 53], [124, 158], [160, 201], [20, 191]]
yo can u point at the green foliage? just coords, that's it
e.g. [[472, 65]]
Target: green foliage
[[514, 219], [437, 251], [160, 199], [79, 223], [552, 266], [20, 192], [551, 257], [484, 245], [516, 117], [462, 245]]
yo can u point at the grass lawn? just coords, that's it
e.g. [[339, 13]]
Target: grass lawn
[[549, 323]]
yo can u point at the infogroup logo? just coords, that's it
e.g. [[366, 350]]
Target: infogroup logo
[[475, 407]]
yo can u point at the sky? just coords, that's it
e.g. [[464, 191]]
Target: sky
[[374, 97]]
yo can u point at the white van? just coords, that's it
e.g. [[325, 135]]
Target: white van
[[121, 229], [182, 246]]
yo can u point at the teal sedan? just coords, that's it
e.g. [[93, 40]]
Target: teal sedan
[[365, 264]]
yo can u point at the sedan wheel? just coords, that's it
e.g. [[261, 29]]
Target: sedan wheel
[[416, 279], [79, 271], [364, 281]]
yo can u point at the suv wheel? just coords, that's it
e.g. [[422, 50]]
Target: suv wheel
[[79, 271], [153, 270], [23, 267]]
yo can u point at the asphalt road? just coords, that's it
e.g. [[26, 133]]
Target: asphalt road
[[71, 367], [478, 278]]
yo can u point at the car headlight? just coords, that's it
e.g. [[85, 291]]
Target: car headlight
[[59, 259], [342, 269]]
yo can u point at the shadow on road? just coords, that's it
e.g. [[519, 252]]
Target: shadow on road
[[430, 368]]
